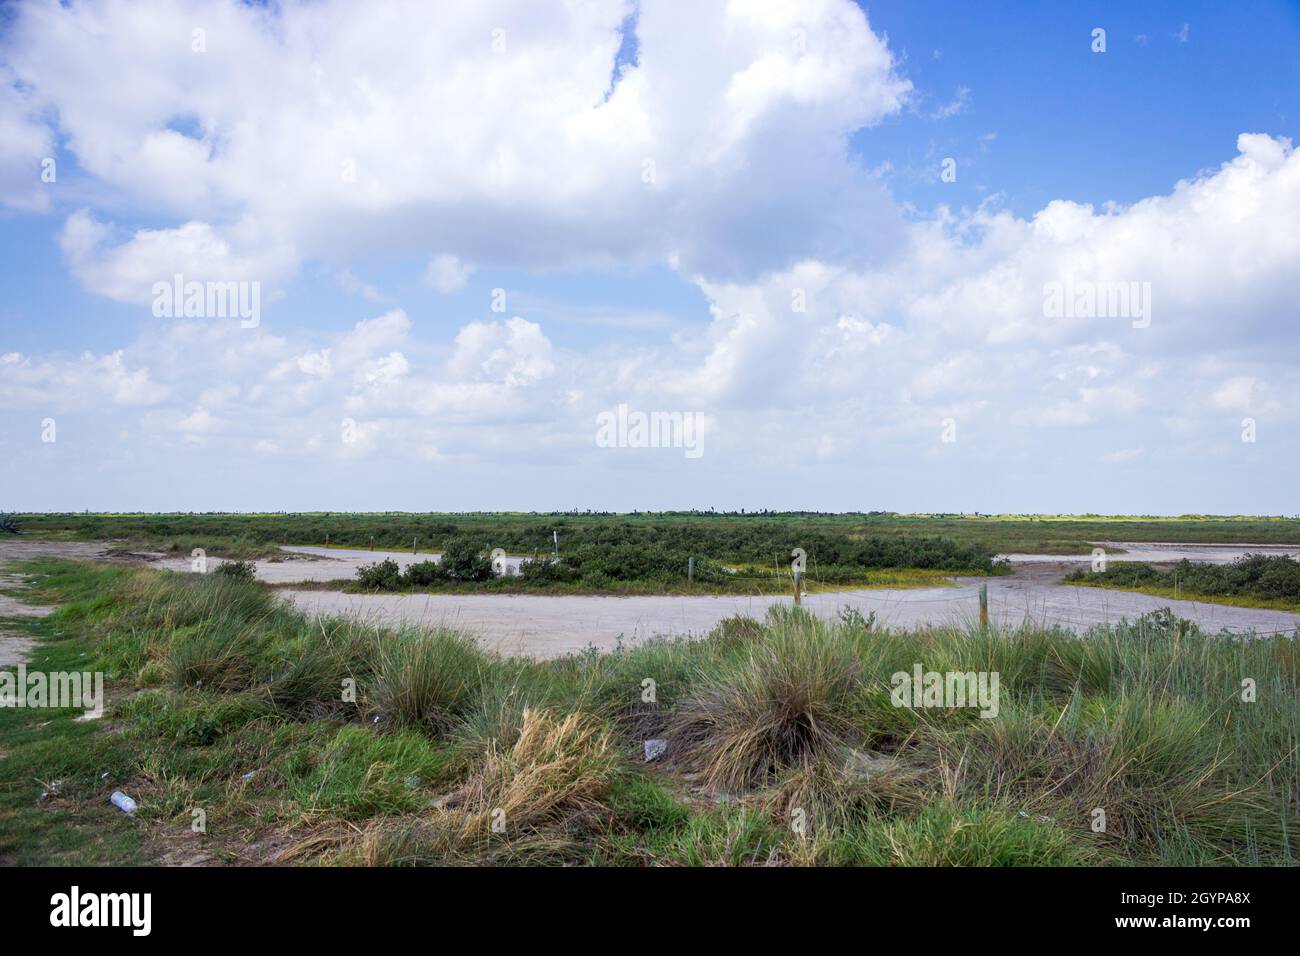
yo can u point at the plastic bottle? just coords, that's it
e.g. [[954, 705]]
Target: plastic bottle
[[123, 802]]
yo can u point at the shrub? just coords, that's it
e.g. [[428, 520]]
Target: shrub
[[239, 570], [383, 575], [545, 570], [425, 573], [464, 561], [1270, 577]]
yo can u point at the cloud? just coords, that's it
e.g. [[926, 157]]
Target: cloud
[[952, 108], [1122, 456], [26, 149], [841, 329], [344, 132], [52, 383], [514, 353], [447, 274], [952, 325], [1237, 394], [128, 270]]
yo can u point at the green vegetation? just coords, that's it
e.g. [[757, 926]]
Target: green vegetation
[[240, 570], [760, 537], [331, 741], [606, 566], [649, 553], [1255, 580]]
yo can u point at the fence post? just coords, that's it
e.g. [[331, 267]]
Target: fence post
[[798, 589], [690, 569], [984, 605]]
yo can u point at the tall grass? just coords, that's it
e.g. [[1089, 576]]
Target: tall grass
[[1186, 744], [424, 679]]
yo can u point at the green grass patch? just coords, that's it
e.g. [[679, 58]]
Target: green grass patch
[[334, 741]]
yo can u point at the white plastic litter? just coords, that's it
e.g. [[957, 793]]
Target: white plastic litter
[[123, 802]]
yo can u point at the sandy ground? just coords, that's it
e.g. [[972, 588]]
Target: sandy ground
[[549, 626], [320, 564], [1159, 553], [15, 647]]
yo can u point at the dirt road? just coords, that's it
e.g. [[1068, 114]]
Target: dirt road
[[549, 626]]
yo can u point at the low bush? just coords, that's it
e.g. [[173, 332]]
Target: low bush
[[383, 575], [424, 573], [239, 570], [544, 569], [1266, 577], [464, 561]]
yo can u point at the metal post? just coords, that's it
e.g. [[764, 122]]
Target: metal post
[[984, 605]]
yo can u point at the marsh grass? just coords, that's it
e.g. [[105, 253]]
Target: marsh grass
[[221, 696], [424, 679], [782, 701]]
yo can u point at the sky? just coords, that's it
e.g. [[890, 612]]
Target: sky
[[912, 256]]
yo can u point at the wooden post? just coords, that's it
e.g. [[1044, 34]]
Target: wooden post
[[690, 569], [372, 542], [798, 589], [413, 540], [984, 605]]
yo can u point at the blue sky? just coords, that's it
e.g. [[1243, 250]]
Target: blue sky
[[1071, 124], [651, 189]]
